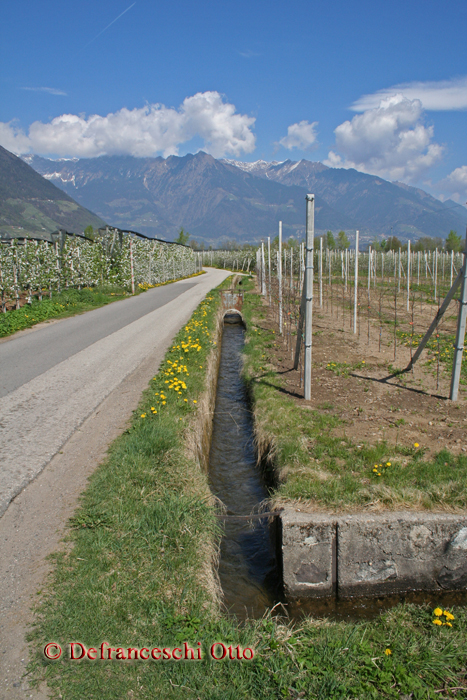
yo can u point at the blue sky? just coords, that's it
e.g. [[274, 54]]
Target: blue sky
[[381, 86]]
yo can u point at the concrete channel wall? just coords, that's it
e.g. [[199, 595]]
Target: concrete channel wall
[[372, 555]]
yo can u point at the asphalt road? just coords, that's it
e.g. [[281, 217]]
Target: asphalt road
[[25, 357], [54, 377]]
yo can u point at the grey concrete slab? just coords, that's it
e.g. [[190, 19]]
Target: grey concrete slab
[[308, 554], [399, 552], [374, 554]]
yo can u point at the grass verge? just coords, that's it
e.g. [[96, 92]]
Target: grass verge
[[135, 572], [70, 302], [332, 472]]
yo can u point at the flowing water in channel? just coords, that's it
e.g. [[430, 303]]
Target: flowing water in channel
[[248, 567], [249, 571]]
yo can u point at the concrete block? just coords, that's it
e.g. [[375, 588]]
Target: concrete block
[[397, 552], [308, 554], [372, 554]]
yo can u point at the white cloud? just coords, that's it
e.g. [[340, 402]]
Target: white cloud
[[437, 96], [454, 186], [301, 135], [139, 132], [51, 91], [13, 139], [390, 141]]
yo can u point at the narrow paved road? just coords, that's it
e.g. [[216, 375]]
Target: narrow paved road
[[69, 389], [52, 379]]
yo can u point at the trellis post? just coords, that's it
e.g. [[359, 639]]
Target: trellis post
[[279, 274], [460, 335], [355, 293], [310, 235]]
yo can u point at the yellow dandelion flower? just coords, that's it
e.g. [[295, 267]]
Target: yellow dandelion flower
[[448, 615], [438, 612], [388, 464], [164, 402], [143, 415], [388, 652], [448, 624], [437, 622], [416, 444], [194, 401]]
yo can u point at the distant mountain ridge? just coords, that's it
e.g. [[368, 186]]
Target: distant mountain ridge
[[375, 204], [214, 201], [219, 200], [30, 205]]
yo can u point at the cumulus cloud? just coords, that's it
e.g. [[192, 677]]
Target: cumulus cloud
[[434, 95], [301, 135], [390, 141], [454, 186], [139, 132], [13, 138]]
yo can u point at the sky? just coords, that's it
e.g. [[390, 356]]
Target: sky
[[377, 86]]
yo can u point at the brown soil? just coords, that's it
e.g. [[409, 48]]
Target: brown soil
[[404, 409]]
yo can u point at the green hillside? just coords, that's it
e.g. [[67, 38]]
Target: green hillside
[[31, 205]]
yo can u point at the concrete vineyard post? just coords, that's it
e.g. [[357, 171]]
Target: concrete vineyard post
[[408, 274], [321, 272], [369, 268], [291, 269], [269, 268], [460, 335], [310, 235], [355, 297], [279, 275], [399, 271]]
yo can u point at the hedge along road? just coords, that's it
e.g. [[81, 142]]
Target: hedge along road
[[56, 376]]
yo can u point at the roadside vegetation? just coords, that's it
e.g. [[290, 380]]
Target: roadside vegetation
[[69, 302], [136, 570]]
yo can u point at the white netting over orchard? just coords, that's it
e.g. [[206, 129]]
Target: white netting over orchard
[[35, 267]]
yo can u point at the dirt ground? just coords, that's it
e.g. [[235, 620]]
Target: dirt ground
[[403, 409]]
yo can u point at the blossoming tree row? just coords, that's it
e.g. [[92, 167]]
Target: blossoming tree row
[[32, 268]]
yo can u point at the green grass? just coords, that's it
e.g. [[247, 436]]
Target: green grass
[[312, 463], [135, 571], [67, 303]]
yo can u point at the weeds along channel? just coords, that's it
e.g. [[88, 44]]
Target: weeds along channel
[[364, 441], [136, 571]]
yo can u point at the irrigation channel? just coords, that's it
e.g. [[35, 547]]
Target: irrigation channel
[[250, 561], [248, 568]]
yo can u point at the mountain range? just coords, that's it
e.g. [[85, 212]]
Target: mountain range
[[31, 205], [221, 200]]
